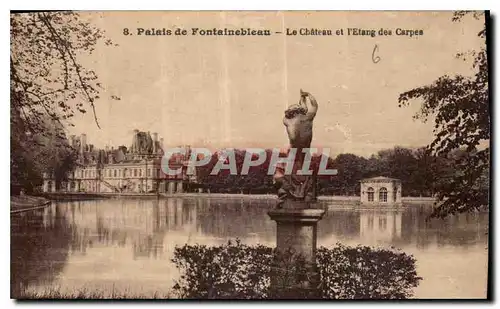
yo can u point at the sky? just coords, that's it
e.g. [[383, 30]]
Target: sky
[[229, 91]]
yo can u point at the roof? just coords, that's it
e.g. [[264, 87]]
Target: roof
[[380, 178]]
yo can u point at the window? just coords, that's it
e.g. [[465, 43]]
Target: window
[[149, 172], [371, 194], [114, 173], [135, 172], [140, 173], [382, 195]]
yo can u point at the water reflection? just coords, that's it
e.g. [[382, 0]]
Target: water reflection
[[379, 226], [40, 247], [133, 240]]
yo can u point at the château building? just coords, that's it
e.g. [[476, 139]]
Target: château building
[[380, 190], [136, 169]]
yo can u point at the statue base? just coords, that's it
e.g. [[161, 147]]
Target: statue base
[[296, 231]]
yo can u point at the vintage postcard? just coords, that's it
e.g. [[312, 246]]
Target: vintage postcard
[[250, 154]]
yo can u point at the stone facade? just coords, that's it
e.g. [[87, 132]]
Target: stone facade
[[380, 191], [133, 170]]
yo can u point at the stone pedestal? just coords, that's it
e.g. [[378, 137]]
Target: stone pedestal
[[296, 231]]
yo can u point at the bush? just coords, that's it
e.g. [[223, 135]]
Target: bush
[[365, 273], [238, 271]]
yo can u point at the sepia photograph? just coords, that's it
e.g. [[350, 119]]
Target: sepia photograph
[[250, 155]]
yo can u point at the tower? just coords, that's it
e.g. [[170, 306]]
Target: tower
[[83, 143], [155, 142]]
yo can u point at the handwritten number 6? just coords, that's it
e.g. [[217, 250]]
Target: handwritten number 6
[[375, 58]]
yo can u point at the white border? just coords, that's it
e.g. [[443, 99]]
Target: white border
[[206, 5], [254, 5]]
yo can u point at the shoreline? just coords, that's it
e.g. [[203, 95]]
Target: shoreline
[[63, 196], [24, 203]]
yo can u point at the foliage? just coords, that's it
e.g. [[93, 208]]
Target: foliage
[[38, 153], [350, 172], [232, 271], [45, 73], [461, 111], [419, 172], [48, 85], [238, 271], [363, 272]]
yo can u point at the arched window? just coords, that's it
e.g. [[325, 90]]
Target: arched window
[[382, 195], [371, 194]]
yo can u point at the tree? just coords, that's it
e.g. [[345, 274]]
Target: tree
[[47, 82], [350, 169], [399, 163], [461, 108]]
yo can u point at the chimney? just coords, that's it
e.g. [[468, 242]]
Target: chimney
[[72, 140], [155, 141], [83, 142]]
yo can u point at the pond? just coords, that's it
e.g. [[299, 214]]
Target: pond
[[125, 245]]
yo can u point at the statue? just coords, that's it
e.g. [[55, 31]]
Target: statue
[[298, 121]]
